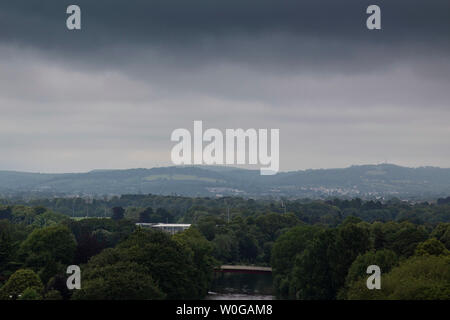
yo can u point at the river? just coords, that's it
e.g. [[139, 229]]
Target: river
[[241, 286]]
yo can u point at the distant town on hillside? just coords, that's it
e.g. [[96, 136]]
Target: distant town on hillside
[[383, 181]]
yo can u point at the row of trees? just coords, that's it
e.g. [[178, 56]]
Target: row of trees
[[150, 265], [317, 249], [312, 262], [189, 210], [118, 260]]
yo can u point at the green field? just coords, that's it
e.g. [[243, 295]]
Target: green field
[[180, 177]]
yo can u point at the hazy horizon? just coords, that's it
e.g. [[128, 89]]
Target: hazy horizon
[[221, 166]]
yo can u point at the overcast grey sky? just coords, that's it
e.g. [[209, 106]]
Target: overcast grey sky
[[110, 95]]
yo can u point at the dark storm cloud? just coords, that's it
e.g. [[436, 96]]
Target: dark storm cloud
[[205, 29], [169, 38], [164, 18]]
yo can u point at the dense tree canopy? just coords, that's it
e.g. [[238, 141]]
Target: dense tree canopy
[[332, 263], [317, 249], [417, 278], [175, 268], [118, 281], [21, 280]]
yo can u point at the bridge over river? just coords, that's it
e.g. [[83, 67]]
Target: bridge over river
[[243, 269], [241, 282]]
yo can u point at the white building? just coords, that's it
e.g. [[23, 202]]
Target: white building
[[171, 228]]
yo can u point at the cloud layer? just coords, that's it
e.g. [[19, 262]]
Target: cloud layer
[[110, 95]]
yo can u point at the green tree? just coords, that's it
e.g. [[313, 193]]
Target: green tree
[[118, 213], [208, 226], [145, 215], [167, 261], [320, 271], [18, 282], [53, 295], [48, 218], [385, 259], [247, 246], [405, 238], [442, 233], [39, 210], [171, 264], [270, 225], [200, 252], [417, 278], [30, 294], [119, 281], [5, 213], [162, 215], [351, 241], [431, 247], [6, 248], [287, 246], [311, 275], [226, 247], [47, 250]]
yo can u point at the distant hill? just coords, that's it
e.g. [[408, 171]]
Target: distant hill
[[366, 181]]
